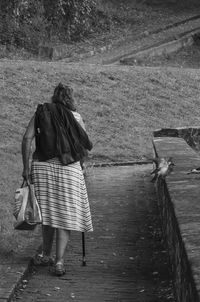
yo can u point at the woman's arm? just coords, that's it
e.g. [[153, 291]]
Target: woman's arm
[[26, 147]]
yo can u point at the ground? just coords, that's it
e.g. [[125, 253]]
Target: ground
[[126, 257]]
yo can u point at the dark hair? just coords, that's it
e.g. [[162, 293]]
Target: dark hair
[[64, 94]]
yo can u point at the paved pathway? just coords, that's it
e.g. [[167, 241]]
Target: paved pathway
[[125, 259]]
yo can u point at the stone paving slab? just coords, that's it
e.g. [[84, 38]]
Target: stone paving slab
[[124, 260]]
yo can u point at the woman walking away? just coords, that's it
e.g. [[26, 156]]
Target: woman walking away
[[61, 145]]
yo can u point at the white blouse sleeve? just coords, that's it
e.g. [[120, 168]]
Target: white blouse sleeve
[[79, 119]]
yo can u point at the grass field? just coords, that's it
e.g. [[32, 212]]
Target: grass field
[[121, 106]]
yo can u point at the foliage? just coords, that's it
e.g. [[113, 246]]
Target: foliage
[[29, 22], [32, 26], [69, 19]]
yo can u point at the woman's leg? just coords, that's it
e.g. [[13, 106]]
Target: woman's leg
[[48, 236], [62, 238]]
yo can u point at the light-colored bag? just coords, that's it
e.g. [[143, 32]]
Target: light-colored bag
[[26, 209]]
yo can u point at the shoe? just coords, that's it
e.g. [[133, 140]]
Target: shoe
[[58, 269], [42, 260]]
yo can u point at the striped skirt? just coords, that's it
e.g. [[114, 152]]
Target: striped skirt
[[62, 195]]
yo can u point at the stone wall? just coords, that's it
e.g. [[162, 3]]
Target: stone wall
[[190, 135], [179, 204], [184, 285]]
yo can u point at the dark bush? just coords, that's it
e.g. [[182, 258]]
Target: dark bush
[[27, 23]]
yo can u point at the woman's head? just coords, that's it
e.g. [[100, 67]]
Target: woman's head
[[64, 94]]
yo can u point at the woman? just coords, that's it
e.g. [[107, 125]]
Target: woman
[[58, 179]]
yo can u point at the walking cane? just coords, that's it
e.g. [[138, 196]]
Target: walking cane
[[83, 249], [83, 234]]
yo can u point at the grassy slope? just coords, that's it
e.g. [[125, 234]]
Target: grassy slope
[[121, 107]]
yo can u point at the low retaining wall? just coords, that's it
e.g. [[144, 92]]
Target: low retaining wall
[[179, 203], [163, 49], [63, 51], [51, 52], [190, 135]]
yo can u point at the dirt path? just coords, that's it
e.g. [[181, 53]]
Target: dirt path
[[125, 258]]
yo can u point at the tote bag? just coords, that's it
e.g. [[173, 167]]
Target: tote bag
[[26, 208]]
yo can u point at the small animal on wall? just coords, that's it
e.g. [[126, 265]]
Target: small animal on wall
[[194, 171], [164, 166]]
